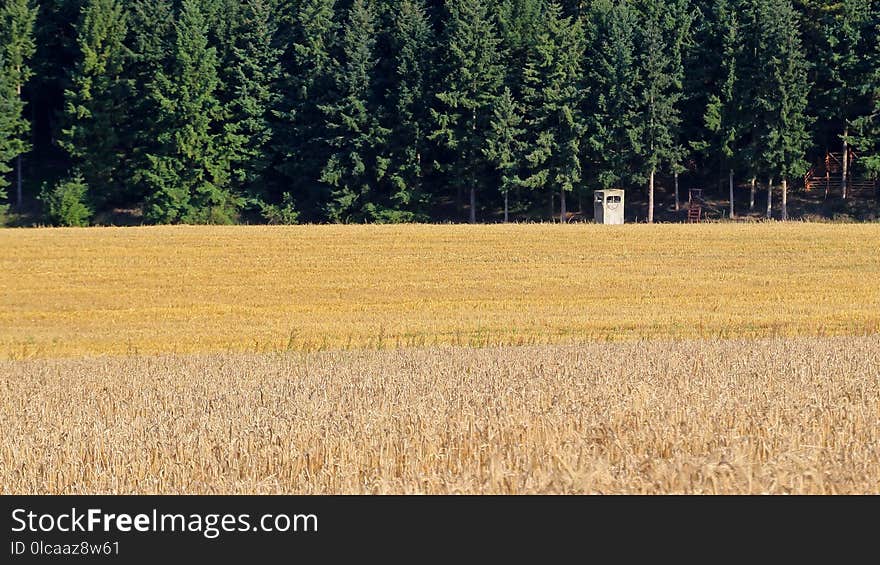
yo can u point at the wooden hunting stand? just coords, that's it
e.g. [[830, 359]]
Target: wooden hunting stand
[[827, 175], [695, 205]]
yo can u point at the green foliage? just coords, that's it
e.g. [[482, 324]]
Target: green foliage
[[67, 203], [188, 176], [96, 103], [614, 135], [553, 98], [356, 164], [17, 47], [252, 86], [473, 75], [284, 213], [783, 96], [412, 40]]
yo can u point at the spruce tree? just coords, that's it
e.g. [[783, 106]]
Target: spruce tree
[[96, 104], [355, 136], [188, 178], [412, 40], [847, 34], [9, 115], [723, 115], [613, 133], [17, 47], [867, 126], [151, 43], [252, 87], [308, 83], [469, 86], [553, 98], [664, 27], [784, 97], [505, 145]]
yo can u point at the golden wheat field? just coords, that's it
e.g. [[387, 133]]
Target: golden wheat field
[[712, 358], [70, 292], [766, 416]]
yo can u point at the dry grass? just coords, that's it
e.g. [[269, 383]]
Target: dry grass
[[70, 292], [776, 416]]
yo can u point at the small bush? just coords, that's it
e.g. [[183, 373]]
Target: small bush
[[284, 213], [67, 203]]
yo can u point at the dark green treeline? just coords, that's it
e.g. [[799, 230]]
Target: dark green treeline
[[285, 111]]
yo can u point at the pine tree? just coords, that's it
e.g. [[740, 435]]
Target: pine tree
[[505, 146], [867, 126], [723, 113], [188, 178], [96, 104], [355, 135], [518, 24], [784, 97], [663, 29], [151, 42], [553, 98], [252, 86], [847, 32], [412, 40], [308, 84], [9, 116], [467, 96], [17, 47], [613, 134]]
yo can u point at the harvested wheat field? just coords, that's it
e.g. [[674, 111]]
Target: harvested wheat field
[[71, 292], [441, 359], [765, 416]]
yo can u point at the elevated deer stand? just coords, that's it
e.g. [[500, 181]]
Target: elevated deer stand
[[695, 205]]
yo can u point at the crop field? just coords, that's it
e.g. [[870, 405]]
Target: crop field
[[777, 416], [123, 291], [712, 358]]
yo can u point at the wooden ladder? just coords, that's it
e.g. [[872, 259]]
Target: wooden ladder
[[695, 212]]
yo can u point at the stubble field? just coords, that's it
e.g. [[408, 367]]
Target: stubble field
[[491, 359]]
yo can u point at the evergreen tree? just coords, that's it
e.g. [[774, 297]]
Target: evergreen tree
[[151, 43], [723, 108], [188, 178], [784, 97], [505, 146], [252, 86], [307, 85], [17, 46], [97, 103], [553, 99], [413, 49], [467, 95], [664, 27], [356, 164], [847, 34], [9, 116], [614, 136], [519, 22], [867, 126]]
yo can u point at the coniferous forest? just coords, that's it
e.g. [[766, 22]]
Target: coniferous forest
[[294, 111]]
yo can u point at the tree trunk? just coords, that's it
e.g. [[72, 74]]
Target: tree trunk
[[784, 199], [505, 207], [473, 204], [552, 206], [732, 208], [459, 203], [752, 194], [677, 201], [562, 206], [770, 199], [651, 197], [843, 176]]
